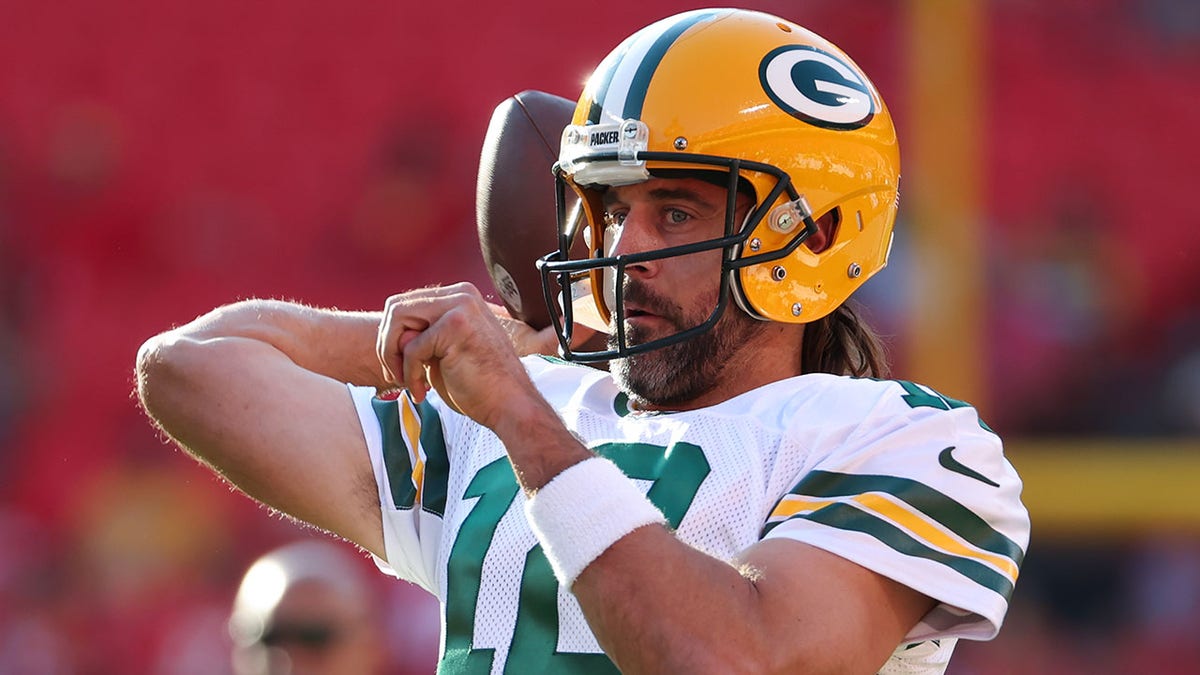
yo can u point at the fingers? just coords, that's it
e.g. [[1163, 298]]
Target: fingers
[[526, 340], [423, 352], [544, 341], [397, 328], [419, 354], [418, 327], [500, 312], [449, 354], [451, 339], [580, 334], [408, 315]]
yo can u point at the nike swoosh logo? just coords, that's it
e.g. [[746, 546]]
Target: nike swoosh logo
[[946, 459]]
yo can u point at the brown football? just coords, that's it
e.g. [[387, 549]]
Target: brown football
[[514, 198]]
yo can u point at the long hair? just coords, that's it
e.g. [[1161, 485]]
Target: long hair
[[842, 343]]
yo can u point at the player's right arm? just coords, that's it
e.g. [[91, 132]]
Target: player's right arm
[[256, 391]]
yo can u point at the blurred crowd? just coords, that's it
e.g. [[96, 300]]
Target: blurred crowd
[[159, 159]]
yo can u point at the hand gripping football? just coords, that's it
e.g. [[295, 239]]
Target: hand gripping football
[[514, 198]]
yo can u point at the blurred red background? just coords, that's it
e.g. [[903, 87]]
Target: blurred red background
[[160, 158]]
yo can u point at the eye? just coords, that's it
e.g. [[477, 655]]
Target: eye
[[677, 217], [614, 218]]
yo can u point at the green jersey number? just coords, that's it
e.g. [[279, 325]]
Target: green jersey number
[[676, 471], [917, 396]]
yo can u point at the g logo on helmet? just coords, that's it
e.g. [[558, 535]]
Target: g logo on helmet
[[817, 87]]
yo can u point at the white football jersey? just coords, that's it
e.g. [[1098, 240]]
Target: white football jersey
[[888, 474]]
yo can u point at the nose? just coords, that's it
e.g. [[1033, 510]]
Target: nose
[[635, 235]]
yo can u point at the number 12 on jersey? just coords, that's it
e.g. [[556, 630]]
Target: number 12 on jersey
[[676, 472]]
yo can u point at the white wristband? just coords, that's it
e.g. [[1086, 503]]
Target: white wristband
[[584, 510]]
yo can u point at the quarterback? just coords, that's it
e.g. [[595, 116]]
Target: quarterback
[[740, 491]]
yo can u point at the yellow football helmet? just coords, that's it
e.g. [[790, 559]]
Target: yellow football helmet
[[773, 106]]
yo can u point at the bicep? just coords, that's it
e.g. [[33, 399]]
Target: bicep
[[850, 618], [286, 436]]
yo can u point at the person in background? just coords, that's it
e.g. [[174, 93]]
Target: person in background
[[306, 609]]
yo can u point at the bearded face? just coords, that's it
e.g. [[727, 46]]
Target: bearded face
[[683, 371]]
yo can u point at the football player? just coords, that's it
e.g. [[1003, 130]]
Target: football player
[[741, 492]]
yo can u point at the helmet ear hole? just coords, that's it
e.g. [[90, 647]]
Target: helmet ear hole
[[827, 228]]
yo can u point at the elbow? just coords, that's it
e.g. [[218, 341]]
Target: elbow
[[150, 370], [161, 375], [167, 362]]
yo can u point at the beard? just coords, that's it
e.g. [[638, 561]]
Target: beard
[[678, 373]]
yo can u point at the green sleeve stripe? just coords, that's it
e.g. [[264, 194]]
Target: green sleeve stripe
[[395, 453], [437, 462], [935, 505], [846, 517]]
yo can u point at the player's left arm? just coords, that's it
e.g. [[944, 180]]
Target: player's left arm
[[658, 605]]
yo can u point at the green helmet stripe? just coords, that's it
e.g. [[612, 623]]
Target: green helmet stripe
[[633, 64]]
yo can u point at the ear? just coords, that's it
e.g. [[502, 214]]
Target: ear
[[826, 228]]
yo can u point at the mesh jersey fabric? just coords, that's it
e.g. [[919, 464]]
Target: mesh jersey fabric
[[888, 474]]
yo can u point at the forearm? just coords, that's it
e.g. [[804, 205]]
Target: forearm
[[657, 605], [337, 344]]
